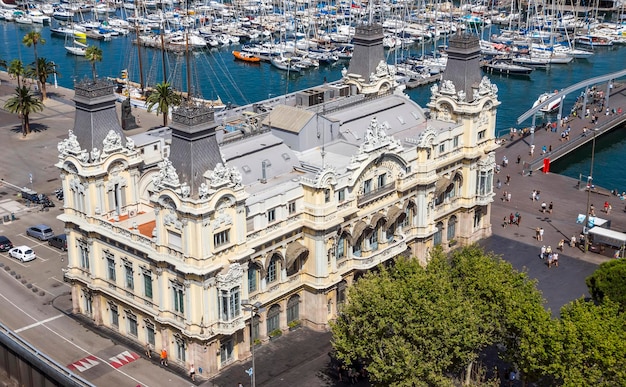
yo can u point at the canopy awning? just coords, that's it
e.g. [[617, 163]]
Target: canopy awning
[[295, 250], [377, 218], [359, 229], [394, 214]]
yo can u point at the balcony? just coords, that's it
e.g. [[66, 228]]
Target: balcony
[[371, 259], [228, 328], [376, 194]]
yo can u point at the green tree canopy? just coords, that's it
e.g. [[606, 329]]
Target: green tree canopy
[[93, 54], [33, 38], [163, 97], [16, 68], [23, 103], [41, 70], [414, 325], [609, 280]]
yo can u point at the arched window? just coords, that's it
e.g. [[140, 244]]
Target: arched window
[[438, 234], [409, 212], [451, 228], [358, 247], [341, 247], [373, 239], [293, 308], [253, 276], [273, 319]]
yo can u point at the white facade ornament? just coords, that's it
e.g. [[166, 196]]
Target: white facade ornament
[[235, 176], [222, 175], [69, 145], [232, 278], [203, 191], [476, 95], [461, 95], [95, 155], [83, 156], [487, 87], [171, 218], [111, 142], [130, 144], [434, 90], [167, 173], [447, 87], [185, 190]]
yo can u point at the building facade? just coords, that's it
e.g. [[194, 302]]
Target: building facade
[[282, 205]]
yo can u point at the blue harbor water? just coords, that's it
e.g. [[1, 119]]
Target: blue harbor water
[[216, 74]]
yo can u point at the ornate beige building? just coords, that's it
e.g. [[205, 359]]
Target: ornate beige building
[[285, 202]]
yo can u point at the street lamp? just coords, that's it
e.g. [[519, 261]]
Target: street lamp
[[589, 185], [253, 309]]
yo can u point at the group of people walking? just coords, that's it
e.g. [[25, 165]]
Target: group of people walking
[[551, 257]]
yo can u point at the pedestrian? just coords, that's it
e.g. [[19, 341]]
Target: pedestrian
[[519, 219], [499, 184], [555, 259], [541, 235], [192, 372], [608, 209], [148, 351], [519, 159], [550, 207], [508, 197], [508, 179], [572, 242], [543, 207], [164, 357], [616, 255], [532, 149], [561, 244], [533, 195], [592, 210], [542, 254], [504, 223], [544, 150], [241, 384]]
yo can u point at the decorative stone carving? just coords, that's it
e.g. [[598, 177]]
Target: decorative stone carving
[[95, 155], [130, 144], [166, 176], [376, 136], [487, 87], [461, 95], [69, 145], [476, 95], [203, 191], [232, 277], [222, 175], [172, 219], [83, 156], [77, 186], [447, 87], [185, 190], [111, 142]]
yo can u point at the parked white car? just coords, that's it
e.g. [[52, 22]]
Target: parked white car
[[23, 253]]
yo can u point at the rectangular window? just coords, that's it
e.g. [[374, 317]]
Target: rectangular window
[[150, 334], [481, 134], [180, 351], [442, 148], [221, 238], [367, 186], [147, 284], [226, 351], [84, 257], [252, 279], [179, 298], [455, 141], [271, 271], [115, 317], [130, 281], [230, 304], [326, 195], [374, 240], [132, 324], [271, 215], [381, 181], [292, 208], [341, 195], [111, 269]]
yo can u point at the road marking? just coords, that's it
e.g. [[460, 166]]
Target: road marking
[[70, 342], [122, 359], [38, 323], [84, 364]]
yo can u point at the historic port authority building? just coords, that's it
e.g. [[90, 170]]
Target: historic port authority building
[[280, 204]]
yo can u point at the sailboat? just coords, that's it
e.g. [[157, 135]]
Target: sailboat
[[76, 48]]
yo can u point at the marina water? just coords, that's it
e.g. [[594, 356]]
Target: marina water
[[216, 74]]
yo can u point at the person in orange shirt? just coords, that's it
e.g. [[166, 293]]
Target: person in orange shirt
[[164, 357]]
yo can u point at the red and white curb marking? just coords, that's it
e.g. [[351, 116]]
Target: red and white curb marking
[[84, 364], [123, 358]]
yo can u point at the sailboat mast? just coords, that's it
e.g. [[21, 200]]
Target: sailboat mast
[[163, 54], [189, 91], [141, 83]]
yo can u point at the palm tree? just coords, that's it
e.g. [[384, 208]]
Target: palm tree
[[16, 67], [41, 69], [33, 38], [93, 54], [164, 97], [23, 103]]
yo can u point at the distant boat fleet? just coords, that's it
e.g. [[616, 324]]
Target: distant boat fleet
[[295, 37]]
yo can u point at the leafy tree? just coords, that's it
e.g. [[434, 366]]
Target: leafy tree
[[593, 345], [33, 38], [93, 54], [41, 69], [609, 280], [16, 68], [164, 97], [415, 326], [23, 103]]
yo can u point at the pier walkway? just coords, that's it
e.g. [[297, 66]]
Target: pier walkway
[[564, 192]]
